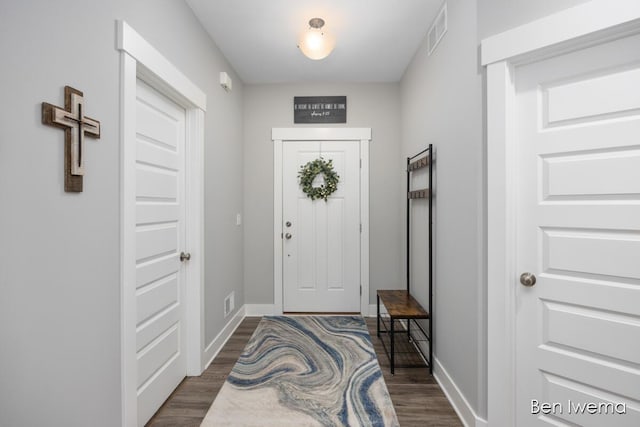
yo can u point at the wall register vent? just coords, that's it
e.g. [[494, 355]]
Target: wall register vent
[[229, 304], [438, 28]]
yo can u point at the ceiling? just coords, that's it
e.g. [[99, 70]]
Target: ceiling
[[375, 39]]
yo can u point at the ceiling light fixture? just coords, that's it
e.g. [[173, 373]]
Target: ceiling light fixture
[[316, 43]]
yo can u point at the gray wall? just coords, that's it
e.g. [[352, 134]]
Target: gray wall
[[442, 98], [441, 104], [368, 105], [59, 252]]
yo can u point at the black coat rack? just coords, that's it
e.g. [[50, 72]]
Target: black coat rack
[[401, 306]]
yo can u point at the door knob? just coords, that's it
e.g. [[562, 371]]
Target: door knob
[[528, 279], [185, 256], [287, 236], [288, 223]]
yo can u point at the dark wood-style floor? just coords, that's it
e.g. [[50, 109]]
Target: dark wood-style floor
[[417, 398]]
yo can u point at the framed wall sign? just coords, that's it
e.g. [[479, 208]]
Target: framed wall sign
[[320, 109]]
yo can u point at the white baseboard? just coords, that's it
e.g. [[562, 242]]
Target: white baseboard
[[460, 405], [373, 310], [214, 347], [269, 310], [259, 309]]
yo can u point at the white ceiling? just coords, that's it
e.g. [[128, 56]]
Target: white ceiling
[[375, 39]]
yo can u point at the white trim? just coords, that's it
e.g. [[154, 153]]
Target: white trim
[[163, 72], [465, 411], [373, 310], [279, 135], [128, 243], [194, 239], [581, 21], [277, 225], [364, 221], [563, 32], [321, 134], [253, 310], [213, 348], [501, 246], [140, 60]]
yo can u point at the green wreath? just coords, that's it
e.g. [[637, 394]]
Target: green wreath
[[309, 172]]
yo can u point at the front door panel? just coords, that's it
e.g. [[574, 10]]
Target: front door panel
[[322, 243]]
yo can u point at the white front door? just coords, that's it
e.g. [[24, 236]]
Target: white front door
[[160, 236], [321, 246], [577, 349]]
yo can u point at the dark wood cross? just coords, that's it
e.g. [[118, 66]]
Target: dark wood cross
[[76, 126]]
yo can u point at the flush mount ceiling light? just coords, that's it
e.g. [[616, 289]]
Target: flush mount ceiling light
[[316, 43]]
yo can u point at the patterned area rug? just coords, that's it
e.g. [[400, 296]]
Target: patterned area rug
[[305, 371]]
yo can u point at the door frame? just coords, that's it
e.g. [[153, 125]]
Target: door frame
[[138, 59], [570, 30], [361, 136]]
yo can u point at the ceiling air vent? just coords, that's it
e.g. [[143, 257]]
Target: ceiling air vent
[[438, 28]]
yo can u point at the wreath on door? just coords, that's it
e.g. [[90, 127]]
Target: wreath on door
[[310, 171]]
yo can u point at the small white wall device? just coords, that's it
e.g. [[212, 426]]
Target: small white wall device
[[225, 81]]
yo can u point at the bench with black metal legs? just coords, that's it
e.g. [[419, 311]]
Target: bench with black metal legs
[[402, 311]]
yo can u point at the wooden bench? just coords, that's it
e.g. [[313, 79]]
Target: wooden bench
[[400, 305]]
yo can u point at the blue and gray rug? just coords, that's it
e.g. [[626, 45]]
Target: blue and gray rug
[[305, 371]]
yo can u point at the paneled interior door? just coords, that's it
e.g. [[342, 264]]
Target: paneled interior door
[[160, 236], [578, 161], [321, 246]]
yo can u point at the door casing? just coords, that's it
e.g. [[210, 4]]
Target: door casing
[[141, 60], [573, 29], [360, 136]]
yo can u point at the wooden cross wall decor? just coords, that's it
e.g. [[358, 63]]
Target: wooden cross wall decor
[[76, 126]]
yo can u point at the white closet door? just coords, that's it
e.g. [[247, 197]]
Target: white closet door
[[160, 328], [578, 327]]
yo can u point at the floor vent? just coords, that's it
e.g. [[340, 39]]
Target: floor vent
[[438, 28]]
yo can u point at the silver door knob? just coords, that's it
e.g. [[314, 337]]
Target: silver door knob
[[528, 279], [287, 236], [185, 256]]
